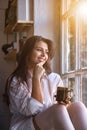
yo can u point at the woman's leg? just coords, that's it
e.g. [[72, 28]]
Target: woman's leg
[[54, 118], [78, 114]]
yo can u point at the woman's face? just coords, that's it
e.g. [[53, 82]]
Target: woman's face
[[39, 53]]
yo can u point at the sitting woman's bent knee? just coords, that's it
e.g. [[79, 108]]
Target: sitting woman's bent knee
[[58, 108], [76, 107]]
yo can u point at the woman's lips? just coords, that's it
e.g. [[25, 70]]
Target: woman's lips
[[41, 60]]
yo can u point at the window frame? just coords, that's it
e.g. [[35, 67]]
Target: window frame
[[66, 12]]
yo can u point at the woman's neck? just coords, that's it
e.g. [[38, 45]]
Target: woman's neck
[[31, 68]]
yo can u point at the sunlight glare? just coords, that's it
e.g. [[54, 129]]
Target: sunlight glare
[[82, 9]]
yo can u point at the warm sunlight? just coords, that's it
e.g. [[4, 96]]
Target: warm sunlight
[[82, 9]]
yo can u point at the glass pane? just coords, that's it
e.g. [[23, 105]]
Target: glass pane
[[67, 4], [84, 89], [83, 42], [69, 44], [71, 84]]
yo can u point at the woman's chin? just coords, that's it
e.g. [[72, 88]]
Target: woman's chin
[[41, 63]]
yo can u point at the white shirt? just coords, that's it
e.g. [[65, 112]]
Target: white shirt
[[23, 106]]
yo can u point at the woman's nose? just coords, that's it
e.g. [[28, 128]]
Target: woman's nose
[[43, 53]]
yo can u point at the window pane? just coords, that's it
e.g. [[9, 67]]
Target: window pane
[[69, 44], [72, 44], [74, 47], [71, 84], [84, 89], [83, 41], [67, 4]]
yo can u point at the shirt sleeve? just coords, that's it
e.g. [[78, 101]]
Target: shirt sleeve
[[35, 106], [21, 100]]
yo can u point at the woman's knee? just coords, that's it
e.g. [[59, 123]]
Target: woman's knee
[[58, 109], [76, 106], [78, 115]]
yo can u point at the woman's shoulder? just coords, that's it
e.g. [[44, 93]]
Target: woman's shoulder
[[15, 81], [17, 85], [54, 75], [55, 78]]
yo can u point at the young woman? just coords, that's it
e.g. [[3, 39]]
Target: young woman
[[31, 89]]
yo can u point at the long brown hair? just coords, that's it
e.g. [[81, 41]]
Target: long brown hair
[[22, 68], [23, 63]]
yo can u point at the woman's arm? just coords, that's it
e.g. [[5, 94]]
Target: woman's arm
[[21, 100], [36, 83]]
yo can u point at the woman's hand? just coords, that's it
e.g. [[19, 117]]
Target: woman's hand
[[66, 101], [39, 71], [36, 82]]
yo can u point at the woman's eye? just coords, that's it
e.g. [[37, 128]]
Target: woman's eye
[[39, 50]]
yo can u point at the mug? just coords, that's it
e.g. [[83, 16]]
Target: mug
[[62, 93]]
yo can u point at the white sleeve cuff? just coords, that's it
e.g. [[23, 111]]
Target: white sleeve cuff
[[35, 106]]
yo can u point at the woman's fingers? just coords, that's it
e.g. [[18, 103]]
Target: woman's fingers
[[66, 101]]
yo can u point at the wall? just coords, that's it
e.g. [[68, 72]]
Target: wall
[[46, 23], [6, 67]]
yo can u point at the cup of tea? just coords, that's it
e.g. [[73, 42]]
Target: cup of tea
[[62, 93]]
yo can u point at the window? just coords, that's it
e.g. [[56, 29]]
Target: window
[[74, 47]]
